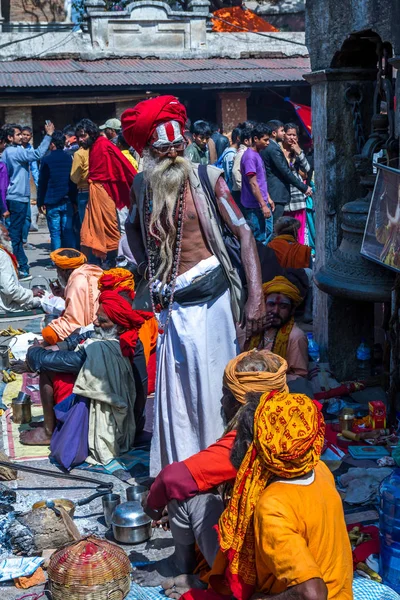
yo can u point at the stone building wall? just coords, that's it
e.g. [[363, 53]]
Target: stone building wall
[[34, 11]]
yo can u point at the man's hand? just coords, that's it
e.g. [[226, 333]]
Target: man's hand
[[163, 522], [271, 203], [57, 290], [6, 214], [255, 315], [49, 128], [42, 210], [20, 366], [38, 292], [53, 348], [308, 191], [266, 211]]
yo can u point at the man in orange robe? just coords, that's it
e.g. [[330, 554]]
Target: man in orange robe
[[79, 287], [289, 252], [110, 179]]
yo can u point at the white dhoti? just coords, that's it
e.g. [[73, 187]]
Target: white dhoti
[[198, 343]]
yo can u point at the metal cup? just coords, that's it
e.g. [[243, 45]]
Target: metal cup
[[110, 503], [136, 492]]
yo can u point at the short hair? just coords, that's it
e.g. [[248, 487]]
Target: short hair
[[69, 130], [58, 139], [259, 361], [69, 252], [201, 128], [245, 134], [214, 127], [274, 125], [10, 128], [122, 141], [235, 136], [88, 127], [260, 130], [26, 128], [291, 126], [247, 124], [3, 136]]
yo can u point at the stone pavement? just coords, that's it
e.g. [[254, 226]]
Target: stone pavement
[[32, 488]]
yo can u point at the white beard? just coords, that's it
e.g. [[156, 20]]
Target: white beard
[[106, 334], [165, 178], [6, 244]]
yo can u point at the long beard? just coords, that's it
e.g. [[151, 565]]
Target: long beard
[[6, 245], [166, 178], [106, 334]]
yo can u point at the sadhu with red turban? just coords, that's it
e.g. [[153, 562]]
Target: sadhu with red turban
[[139, 123]]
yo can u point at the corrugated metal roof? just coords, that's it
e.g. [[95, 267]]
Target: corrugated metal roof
[[149, 72]]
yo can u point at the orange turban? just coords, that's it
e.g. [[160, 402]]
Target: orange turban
[[242, 382], [66, 263], [118, 279], [281, 285], [139, 122]]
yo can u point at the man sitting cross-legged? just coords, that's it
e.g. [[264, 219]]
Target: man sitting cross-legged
[[187, 488], [79, 287], [281, 334], [100, 369], [283, 533]]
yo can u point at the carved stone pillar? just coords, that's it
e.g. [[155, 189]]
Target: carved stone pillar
[[341, 316]]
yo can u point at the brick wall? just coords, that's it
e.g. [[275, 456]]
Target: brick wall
[[36, 11]]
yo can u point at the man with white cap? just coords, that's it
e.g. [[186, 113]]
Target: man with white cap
[[111, 128], [179, 211]]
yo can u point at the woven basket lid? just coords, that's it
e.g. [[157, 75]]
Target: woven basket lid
[[90, 561]]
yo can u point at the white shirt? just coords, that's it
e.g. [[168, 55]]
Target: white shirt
[[13, 296]]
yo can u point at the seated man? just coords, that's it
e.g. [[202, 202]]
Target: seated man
[[79, 287], [289, 252], [103, 374], [187, 488], [281, 335], [13, 296], [283, 533]]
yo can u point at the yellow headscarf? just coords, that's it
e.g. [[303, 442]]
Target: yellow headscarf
[[242, 382], [117, 279], [65, 262], [288, 440], [279, 285]]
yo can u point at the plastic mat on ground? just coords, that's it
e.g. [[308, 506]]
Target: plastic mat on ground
[[365, 589], [145, 593]]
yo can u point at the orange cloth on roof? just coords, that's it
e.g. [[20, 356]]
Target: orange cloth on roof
[[237, 18], [100, 230], [290, 253]]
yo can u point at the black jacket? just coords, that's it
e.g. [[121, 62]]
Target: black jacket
[[279, 175], [66, 360]]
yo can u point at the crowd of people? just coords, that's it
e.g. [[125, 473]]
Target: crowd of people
[[184, 259]]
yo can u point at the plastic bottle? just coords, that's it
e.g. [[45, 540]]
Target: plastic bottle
[[389, 530], [313, 348], [363, 361]]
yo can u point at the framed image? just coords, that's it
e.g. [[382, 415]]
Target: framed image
[[381, 241]]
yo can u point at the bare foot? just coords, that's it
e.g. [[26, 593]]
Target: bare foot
[[175, 587], [154, 574], [35, 437]]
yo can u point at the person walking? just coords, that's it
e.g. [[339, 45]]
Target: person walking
[[57, 194], [32, 216], [18, 159]]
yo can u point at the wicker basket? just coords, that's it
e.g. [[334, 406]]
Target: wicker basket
[[90, 569]]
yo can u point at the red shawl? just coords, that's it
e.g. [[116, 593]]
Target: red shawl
[[108, 166]]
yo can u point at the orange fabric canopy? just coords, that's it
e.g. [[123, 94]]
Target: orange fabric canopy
[[236, 19]]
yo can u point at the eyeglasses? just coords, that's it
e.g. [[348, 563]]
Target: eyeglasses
[[165, 148]]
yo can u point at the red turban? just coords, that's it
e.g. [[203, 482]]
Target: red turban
[[139, 123], [119, 311]]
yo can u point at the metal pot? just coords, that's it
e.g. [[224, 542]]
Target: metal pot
[[136, 492], [4, 352], [130, 524], [21, 408]]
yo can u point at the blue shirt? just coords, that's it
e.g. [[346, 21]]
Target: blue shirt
[[17, 160], [55, 185]]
